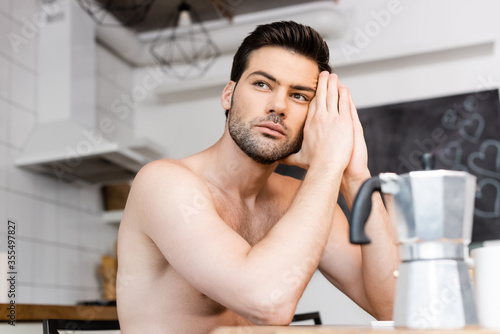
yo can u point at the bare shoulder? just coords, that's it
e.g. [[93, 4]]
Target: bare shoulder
[[165, 169], [161, 187], [165, 176]]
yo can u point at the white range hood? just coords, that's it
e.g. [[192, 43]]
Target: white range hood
[[67, 141]]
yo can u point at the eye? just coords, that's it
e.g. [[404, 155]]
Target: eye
[[300, 97], [261, 84]]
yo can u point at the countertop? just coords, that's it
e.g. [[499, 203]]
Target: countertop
[[326, 329], [35, 312]]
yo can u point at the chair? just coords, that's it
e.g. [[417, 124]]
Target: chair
[[52, 326], [308, 316]]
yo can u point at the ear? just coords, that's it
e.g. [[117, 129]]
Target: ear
[[227, 95]]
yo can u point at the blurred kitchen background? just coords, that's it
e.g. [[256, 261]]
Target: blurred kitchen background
[[77, 84]]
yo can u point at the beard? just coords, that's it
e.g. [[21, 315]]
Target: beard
[[261, 147]]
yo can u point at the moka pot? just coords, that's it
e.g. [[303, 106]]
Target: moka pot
[[431, 212]]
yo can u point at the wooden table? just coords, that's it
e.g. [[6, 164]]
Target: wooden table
[[344, 330], [30, 312]]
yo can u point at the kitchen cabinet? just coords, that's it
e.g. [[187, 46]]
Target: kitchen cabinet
[[22, 328]]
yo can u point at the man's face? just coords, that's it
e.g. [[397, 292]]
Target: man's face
[[270, 102]]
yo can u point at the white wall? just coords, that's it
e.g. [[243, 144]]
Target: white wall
[[192, 123], [424, 49], [428, 49], [60, 237]]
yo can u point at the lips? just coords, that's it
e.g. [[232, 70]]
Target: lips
[[274, 129]]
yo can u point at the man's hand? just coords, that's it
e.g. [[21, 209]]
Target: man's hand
[[328, 130], [357, 170]]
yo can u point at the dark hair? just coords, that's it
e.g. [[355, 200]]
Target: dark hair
[[289, 35]]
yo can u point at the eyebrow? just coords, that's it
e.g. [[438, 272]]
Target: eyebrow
[[270, 77]]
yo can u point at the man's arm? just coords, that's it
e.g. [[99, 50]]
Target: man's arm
[[364, 273], [263, 282]]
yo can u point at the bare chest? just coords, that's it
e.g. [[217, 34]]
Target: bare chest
[[252, 223]]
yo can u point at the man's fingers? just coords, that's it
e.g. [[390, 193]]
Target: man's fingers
[[354, 112], [354, 115], [333, 93], [321, 93], [344, 101]]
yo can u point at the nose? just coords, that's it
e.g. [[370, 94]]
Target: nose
[[278, 104]]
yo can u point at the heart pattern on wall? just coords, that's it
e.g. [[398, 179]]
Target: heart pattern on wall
[[451, 155], [488, 187], [478, 163], [472, 128]]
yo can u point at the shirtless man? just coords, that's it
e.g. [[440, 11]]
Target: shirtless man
[[219, 239]]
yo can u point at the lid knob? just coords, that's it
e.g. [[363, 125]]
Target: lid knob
[[428, 161]]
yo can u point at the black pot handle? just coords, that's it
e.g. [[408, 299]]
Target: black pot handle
[[361, 210]]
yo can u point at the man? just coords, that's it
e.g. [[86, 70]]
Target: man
[[218, 238]]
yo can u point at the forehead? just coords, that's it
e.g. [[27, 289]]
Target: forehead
[[286, 66]]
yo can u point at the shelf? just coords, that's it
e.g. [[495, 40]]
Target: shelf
[[112, 217]]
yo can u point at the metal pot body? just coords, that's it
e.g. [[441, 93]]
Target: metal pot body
[[431, 212]]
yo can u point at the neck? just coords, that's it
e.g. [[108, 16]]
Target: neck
[[231, 170]]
